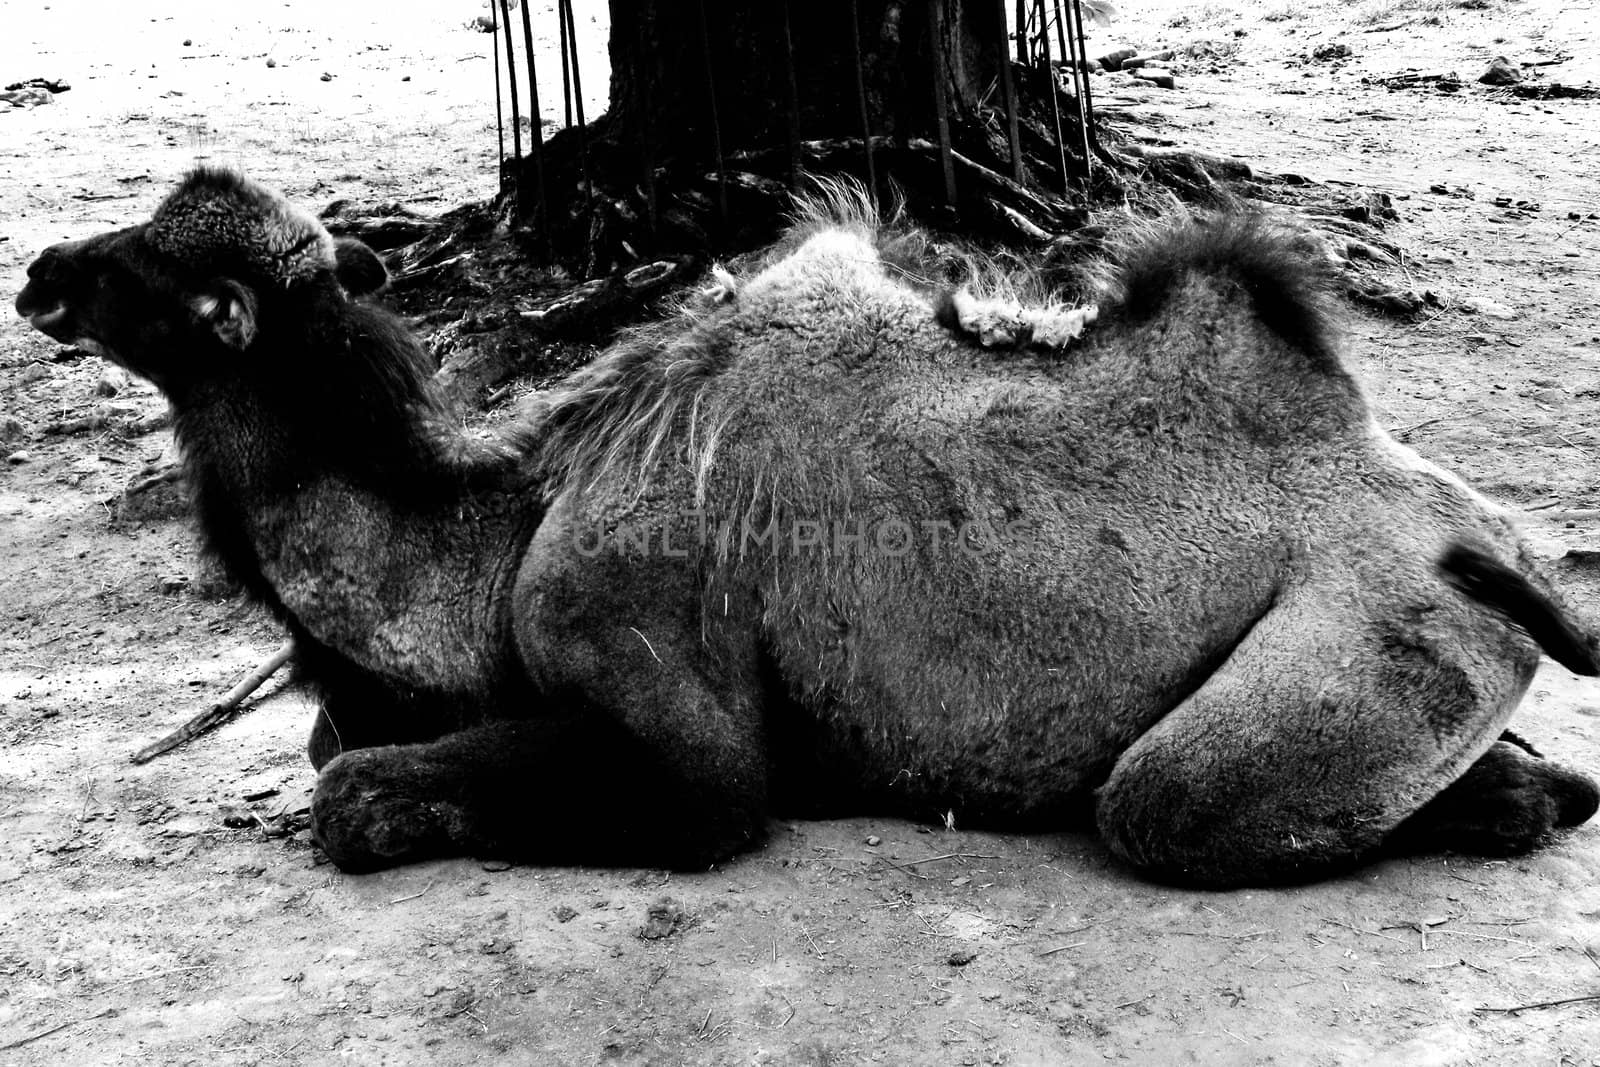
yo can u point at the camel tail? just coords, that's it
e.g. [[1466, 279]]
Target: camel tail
[[1502, 589]]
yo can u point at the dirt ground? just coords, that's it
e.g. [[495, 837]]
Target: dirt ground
[[136, 926]]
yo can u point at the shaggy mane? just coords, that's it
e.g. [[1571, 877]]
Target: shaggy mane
[[625, 410], [621, 411]]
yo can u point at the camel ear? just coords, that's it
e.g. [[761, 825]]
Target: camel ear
[[358, 267], [230, 310]]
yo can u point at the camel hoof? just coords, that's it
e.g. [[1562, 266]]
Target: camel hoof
[[364, 823]]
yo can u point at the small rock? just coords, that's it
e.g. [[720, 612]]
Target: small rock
[[957, 883], [1501, 72], [495, 866], [1160, 78], [33, 372], [187, 42], [236, 816], [497, 947], [12, 429], [874, 840], [662, 919], [16, 459], [1113, 60], [112, 381], [172, 584], [1138, 62], [1332, 50], [564, 913], [271, 62], [1482, 305], [961, 957], [406, 78], [327, 77]]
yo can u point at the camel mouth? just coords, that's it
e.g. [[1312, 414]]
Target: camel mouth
[[45, 321]]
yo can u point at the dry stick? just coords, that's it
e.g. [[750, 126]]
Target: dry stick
[[716, 124], [1088, 97], [1022, 31], [511, 77], [793, 101], [1073, 53], [941, 856], [940, 105], [221, 711], [1055, 106], [499, 113], [422, 892], [535, 136], [31, 1038], [1008, 93], [1059, 948], [861, 97], [1540, 1004]]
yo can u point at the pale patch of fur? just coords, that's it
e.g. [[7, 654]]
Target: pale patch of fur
[[724, 287], [996, 323]]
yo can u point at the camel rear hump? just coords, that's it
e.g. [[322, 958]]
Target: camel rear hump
[[1286, 283]]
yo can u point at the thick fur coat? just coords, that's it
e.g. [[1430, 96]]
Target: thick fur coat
[[811, 546]]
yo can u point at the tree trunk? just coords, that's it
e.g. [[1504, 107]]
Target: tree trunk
[[686, 71], [715, 108]]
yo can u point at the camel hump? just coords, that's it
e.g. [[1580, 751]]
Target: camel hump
[[1282, 271], [1502, 589]]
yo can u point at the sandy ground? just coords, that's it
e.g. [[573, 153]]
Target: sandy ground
[[137, 927]]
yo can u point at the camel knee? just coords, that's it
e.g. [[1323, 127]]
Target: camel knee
[[1223, 825]]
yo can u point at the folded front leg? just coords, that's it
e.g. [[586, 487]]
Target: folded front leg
[[573, 791]]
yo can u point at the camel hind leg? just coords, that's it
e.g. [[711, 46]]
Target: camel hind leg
[[1334, 723]]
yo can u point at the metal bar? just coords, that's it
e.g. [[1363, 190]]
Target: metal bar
[[499, 112], [566, 74], [511, 76], [1008, 94], [861, 97], [570, 35], [644, 133], [577, 70], [793, 102], [535, 133], [1088, 97], [716, 124], [1061, 32], [1072, 51], [941, 105], [1050, 87]]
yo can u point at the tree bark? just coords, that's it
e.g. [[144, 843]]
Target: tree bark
[[672, 70]]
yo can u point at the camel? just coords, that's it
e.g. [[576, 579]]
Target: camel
[[811, 546]]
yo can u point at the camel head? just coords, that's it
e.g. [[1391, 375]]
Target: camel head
[[183, 297]]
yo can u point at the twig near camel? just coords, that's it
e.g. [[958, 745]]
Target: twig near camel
[[221, 711]]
